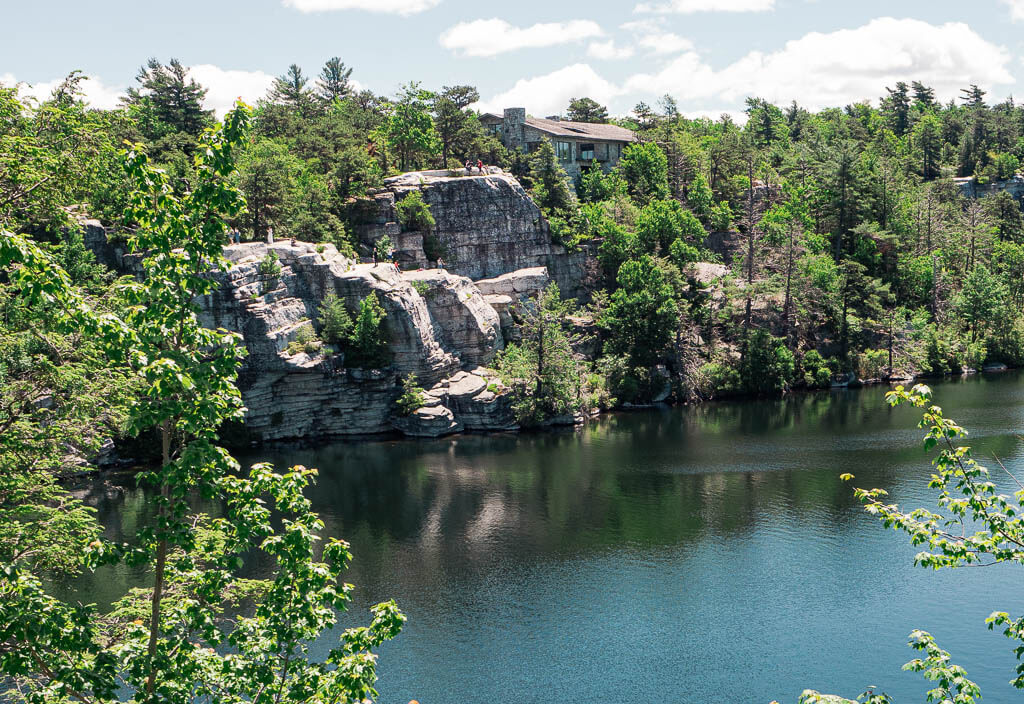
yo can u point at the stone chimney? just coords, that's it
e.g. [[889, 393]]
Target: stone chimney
[[513, 128]]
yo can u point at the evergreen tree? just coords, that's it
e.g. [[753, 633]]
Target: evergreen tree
[[550, 184], [333, 83], [645, 170], [973, 97], [290, 90], [169, 100], [896, 106], [454, 122], [586, 110], [924, 97], [642, 315], [542, 369]]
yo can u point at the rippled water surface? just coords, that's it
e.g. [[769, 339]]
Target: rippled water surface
[[693, 555]]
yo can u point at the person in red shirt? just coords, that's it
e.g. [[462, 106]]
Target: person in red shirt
[[479, 166]]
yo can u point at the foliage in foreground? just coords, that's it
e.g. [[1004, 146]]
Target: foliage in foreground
[[975, 525], [201, 633]]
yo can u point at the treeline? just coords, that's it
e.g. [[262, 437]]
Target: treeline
[[850, 248]]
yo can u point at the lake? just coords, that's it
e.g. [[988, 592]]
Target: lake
[[694, 555]]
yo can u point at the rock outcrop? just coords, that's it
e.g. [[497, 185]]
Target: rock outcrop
[[442, 325], [485, 225], [436, 323]]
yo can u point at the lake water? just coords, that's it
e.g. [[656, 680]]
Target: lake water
[[693, 555]]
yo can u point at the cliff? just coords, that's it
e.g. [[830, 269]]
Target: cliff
[[441, 326], [485, 225], [442, 330]]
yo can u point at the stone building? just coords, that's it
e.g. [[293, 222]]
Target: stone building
[[577, 144]]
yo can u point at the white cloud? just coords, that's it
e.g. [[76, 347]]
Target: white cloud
[[609, 51], [97, 94], [836, 68], [393, 7], [494, 36], [687, 7], [650, 35], [549, 94], [224, 86], [1016, 9], [664, 43]]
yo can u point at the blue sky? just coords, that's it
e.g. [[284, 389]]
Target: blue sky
[[709, 54]]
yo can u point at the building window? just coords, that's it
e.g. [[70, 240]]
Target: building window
[[618, 150], [601, 152], [586, 152], [563, 150]]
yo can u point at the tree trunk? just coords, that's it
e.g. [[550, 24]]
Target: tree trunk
[[750, 253], [166, 432], [789, 281]]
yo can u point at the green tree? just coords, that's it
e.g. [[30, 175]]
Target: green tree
[[645, 170], [265, 175], [768, 365], [335, 320], [368, 345], [700, 199], [542, 370], [550, 184], [408, 128], [982, 298], [168, 100], [927, 138], [453, 121], [334, 83], [291, 90], [595, 185], [182, 639], [661, 222], [642, 315], [586, 110], [414, 212]]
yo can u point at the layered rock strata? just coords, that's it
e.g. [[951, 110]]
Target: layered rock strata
[[486, 225]]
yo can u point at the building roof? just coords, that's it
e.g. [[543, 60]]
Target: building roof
[[579, 130]]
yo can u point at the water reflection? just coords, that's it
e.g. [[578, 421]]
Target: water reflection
[[693, 555]]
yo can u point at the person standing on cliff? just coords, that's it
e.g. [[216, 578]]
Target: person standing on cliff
[[270, 235], [440, 263], [480, 165], [469, 167]]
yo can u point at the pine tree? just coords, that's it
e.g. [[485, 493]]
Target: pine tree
[[973, 97], [290, 89], [550, 187], [586, 110], [333, 83], [924, 97], [171, 98], [897, 107]]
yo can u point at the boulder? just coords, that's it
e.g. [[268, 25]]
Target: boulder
[[467, 322], [431, 421], [520, 284], [478, 399]]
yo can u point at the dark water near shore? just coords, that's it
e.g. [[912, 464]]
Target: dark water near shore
[[693, 555]]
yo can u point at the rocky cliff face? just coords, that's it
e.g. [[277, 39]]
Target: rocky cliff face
[[970, 188], [486, 226], [444, 326], [436, 335]]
